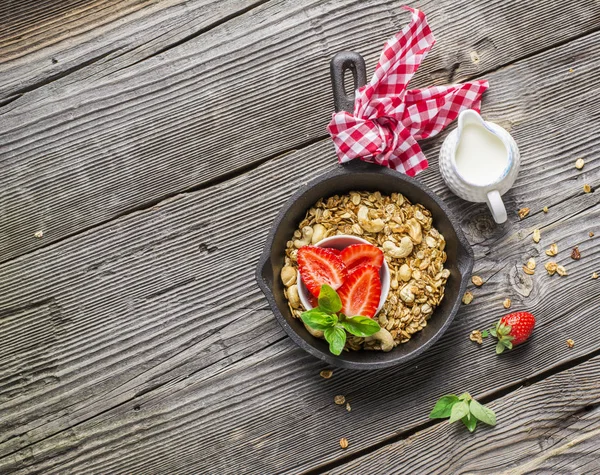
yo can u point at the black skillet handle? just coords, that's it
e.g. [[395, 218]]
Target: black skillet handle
[[341, 62]]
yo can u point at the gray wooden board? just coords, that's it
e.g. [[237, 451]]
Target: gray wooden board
[[549, 427], [153, 349], [43, 40], [132, 127]]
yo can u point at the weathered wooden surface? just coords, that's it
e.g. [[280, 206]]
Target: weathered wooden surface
[[151, 116], [144, 344], [550, 427]]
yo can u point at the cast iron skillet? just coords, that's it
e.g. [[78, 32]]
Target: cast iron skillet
[[358, 175]]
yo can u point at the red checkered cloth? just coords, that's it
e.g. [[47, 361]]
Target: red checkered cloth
[[388, 119]]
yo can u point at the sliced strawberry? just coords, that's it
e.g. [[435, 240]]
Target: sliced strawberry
[[362, 254], [337, 252], [361, 292], [318, 266]]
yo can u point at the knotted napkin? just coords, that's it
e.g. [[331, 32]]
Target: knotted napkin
[[388, 119]]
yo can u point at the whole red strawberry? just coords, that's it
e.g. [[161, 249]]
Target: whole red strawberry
[[513, 329]]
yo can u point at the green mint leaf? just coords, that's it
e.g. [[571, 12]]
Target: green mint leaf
[[443, 407], [459, 410], [482, 413], [336, 336], [470, 422], [329, 300], [360, 326], [485, 333], [318, 319]]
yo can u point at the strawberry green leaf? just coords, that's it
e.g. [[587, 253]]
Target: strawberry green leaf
[[360, 326], [499, 348], [470, 422], [459, 410], [443, 407], [329, 300], [493, 332], [482, 413], [336, 337], [318, 319]]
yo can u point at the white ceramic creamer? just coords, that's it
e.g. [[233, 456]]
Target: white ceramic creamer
[[479, 162]]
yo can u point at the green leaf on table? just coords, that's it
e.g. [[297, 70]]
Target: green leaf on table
[[443, 407], [465, 397], [482, 413], [360, 326], [329, 300], [470, 422], [336, 337], [459, 410], [318, 319], [485, 333]]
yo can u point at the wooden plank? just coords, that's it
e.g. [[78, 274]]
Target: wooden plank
[[41, 41], [550, 427], [155, 350], [124, 131]]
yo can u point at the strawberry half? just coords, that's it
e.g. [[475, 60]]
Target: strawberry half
[[318, 266], [359, 255], [513, 329], [361, 292]]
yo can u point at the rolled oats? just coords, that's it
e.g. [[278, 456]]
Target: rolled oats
[[570, 343], [467, 298], [551, 267], [536, 235], [579, 163], [395, 225], [478, 281], [523, 212], [553, 250], [587, 188], [507, 303], [575, 254]]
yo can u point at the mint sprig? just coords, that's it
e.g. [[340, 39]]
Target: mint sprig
[[463, 408], [328, 318]]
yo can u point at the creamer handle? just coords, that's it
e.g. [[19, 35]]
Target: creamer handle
[[494, 202]]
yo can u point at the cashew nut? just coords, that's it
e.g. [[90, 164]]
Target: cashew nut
[[307, 234], [313, 332], [406, 294], [414, 230], [293, 296], [288, 275], [319, 232], [385, 338], [404, 273], [401, 250], [371, 226]]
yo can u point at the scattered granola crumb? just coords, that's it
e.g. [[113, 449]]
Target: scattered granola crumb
[[536, 235], [571, 70], [339, 400], [478, 281], [531, 263], [591, 234], [523, 212], [553, 250], [348, 408], [551, 267], [476, 336], [560, 270], [507, 303], [39, 234], [579, 163], [528, 271], [587, 188], [326, 374], [575, 254], [467, 298], [344, 443], [570, 343], [594, 275]]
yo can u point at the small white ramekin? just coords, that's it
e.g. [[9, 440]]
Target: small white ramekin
[[340, 242]]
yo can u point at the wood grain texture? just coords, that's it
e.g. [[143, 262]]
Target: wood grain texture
[[41, 41], [135, 126], [550, 427], [155, 351]]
